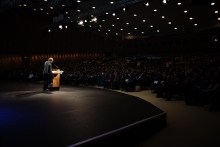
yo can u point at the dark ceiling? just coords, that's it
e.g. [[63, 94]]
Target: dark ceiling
[[139, 21]]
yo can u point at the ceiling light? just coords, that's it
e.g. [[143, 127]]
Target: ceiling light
[[216, 11], [112, 2], [85, 20], [94, 19], [212, 4], [116, 33], [106, 13], [142, 32], [20, 5], [155, 10], [93, 7], [106, 33], [144, 20], [90, 26], [218, 18], [146, 4], [163, 16], [51, 7], [178, 3], [169, 22], [158, 30], [117, 18], [47, 13], [66, 27], [165, 1], [49, 30], [100, 25], [115, 12], [191, 18], [175, 28], [135, 14], [135, 28], [151, 26], [98, 29], [41, 8], [195, 24], [25, 5], [113, 25], [63, 5], [127, 23], [121, 29], [109, 30], [60, 27], [78, 10], [185, 11], [91, 15], [66, 12], [34, 9], [81, 23], [78, 1], [103, 20], [45, 0], [128, 33]]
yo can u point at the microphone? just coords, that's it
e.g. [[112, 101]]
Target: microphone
[[55, 65]]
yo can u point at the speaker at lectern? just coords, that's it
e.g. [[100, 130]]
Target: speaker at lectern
[[56, 79]]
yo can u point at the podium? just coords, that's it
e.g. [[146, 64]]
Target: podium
[[56, 79]]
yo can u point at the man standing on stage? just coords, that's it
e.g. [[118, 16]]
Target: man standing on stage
[[47, 72]]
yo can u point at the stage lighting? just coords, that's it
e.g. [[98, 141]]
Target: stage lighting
[[80, 23], [60, 27]]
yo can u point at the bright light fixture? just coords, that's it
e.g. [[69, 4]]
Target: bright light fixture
[[109, 30], [144, 20], [155, 10], [51, 7], [135, 14], [175, 28], [113, 25], [121, 29], [78, 10], [135, 28], [127, 23], [128, 33], [117, 18], [179, 4], [216, 11], [112, 2], [163, 17], [185, 11], [191, 18], [195, 24], [158, 30], [151, 26], [212, 4], [169, 22]]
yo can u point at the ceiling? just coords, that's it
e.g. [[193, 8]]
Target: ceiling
[[139, 21]]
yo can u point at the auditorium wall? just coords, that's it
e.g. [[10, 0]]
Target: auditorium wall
[[203, 40]]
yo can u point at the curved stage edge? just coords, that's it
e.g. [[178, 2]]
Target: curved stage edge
[[74, 116]]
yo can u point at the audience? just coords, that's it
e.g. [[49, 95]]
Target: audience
[[194, 76]]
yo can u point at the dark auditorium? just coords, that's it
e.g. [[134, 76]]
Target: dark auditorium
[[107, 73]]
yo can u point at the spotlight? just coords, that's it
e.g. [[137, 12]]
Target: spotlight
[[60, 27], [94, 19]]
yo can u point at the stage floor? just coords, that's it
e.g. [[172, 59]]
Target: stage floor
[[69, 117]]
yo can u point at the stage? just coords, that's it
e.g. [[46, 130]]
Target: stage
[[73, 116]]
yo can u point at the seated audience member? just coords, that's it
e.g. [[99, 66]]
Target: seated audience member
[[198, 96]]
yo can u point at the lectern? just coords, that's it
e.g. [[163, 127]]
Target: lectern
[[56, 79]]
